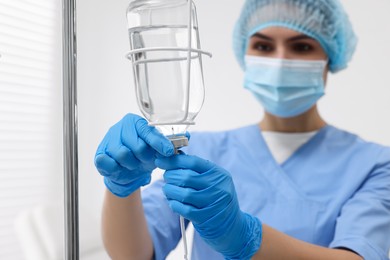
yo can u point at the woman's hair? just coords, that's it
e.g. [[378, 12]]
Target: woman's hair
[[324, 20]]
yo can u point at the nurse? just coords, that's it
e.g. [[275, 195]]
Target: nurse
[[291, 187]]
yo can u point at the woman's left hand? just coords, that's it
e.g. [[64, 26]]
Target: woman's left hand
[[204, 193]]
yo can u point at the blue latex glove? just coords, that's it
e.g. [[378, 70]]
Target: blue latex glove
[[204, 193], [127, 153]]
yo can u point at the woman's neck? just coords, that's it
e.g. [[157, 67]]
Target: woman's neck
[[307, 122]]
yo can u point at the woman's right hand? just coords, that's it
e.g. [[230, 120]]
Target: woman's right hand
[[127, 153]]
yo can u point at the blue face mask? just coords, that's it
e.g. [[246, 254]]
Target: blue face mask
[[286, 88]]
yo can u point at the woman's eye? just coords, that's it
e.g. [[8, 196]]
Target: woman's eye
[[302, 47], [262, 47]]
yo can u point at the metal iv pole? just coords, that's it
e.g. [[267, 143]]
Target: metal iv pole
[[71, 241]]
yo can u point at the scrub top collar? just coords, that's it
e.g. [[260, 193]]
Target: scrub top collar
[[274, 171], [318, 136]]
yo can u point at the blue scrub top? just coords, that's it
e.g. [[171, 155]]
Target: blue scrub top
[[334, 191]]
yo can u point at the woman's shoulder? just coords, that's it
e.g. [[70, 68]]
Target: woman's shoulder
[[344, 139]]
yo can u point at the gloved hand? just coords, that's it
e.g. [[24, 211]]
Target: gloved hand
[[127, 153], [204, 193]]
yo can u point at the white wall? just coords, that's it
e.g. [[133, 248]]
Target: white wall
[[357, 99]]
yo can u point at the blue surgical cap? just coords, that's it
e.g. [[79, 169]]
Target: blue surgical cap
[[323, 20]]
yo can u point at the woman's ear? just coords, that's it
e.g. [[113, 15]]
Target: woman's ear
[[325, 75]]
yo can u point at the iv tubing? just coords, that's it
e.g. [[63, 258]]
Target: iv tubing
[[183, 234]]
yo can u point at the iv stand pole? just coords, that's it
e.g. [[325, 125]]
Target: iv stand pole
[[71, 241]]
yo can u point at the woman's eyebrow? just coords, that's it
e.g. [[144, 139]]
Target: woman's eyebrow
[[262, 36], [295, 38], [299, 37]]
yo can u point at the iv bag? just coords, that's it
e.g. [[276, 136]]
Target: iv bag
[[167, 60]]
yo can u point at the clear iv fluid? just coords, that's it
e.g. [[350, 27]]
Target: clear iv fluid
[[162, 81]]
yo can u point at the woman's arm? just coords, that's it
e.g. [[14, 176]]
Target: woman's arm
[[125, 232], [204, 193], [125, 158], [277, 245]]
